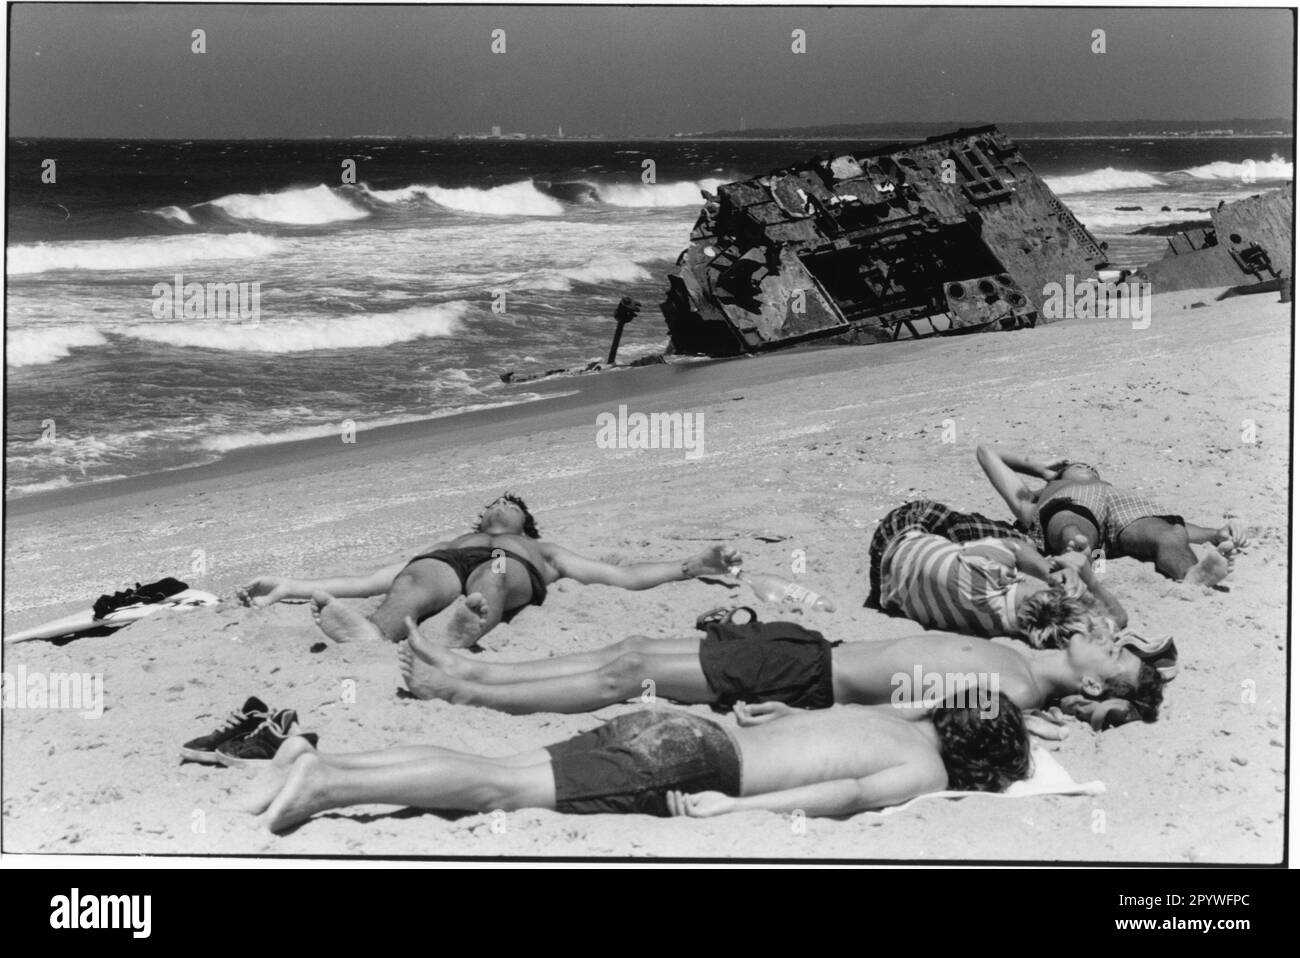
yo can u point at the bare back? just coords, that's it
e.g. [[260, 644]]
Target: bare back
[[852, 742]]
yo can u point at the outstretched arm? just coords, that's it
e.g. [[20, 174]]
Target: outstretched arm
[[1004, 471], [892, 786], [266, 590], [715, 560]]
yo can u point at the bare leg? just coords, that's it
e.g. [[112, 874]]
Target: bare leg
[[1167, 545], [506, 673], [423, 588], [677, 677], [448, 782]]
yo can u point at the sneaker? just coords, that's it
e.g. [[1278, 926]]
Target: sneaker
[[238, 724], [261, 744]]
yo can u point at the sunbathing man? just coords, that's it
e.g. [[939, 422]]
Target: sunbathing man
[[988, 587], [671, 762], [500, 567], [782, 662], [1077, 511]]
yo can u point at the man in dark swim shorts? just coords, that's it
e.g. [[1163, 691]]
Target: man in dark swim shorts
[[669, 762], [767, 669], [500, 567]]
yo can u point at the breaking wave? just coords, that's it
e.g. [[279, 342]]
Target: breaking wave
[[1109, 178], [298, 207], [1274, 168], [306, 335], [138, 252], [174, 214], [513, 199], [1098, 181], [684, 193], [48, 344]]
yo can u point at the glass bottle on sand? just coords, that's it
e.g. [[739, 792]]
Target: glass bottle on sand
[[773, 588]]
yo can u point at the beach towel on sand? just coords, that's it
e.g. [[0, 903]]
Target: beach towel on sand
[[1049, 778]]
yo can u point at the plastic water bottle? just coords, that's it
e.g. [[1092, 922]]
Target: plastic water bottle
[[773, 588]]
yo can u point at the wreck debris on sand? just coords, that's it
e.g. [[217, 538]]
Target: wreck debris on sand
[[954, 234], [1248, 245]]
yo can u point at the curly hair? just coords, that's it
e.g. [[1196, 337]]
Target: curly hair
[[530, 524], [1049, 617], [1145, 697], [982, 751]]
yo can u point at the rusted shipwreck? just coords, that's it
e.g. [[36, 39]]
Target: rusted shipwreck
[[951, 235], [1247, 245]]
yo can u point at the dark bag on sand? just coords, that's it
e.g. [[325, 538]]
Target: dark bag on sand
[[140, 595]]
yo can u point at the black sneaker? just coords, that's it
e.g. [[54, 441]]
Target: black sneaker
[[261, 744], [237, 725]]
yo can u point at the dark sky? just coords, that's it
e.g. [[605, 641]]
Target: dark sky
[[285, 71]]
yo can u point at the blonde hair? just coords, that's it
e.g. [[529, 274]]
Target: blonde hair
[[1049, 617]]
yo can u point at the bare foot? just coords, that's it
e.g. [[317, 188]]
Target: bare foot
[[271, 779], [341, 623], [435, 653], [420, 659], [464, 624], [1211, 570], [302, 796]]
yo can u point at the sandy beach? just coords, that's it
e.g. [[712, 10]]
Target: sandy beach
[[802, 451]]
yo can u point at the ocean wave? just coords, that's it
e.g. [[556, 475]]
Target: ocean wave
[[684, 193], [174, 214], [1247, 171], [606, 270], [571, 191], [47, 344], [513, 199], [307, 206], [306, 335], [1097, 181], [138, 252], [1126, 221]]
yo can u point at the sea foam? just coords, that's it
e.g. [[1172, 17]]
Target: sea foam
[[138, 252], [305, 335], [46, 344]]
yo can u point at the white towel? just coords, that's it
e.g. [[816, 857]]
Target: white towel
[[1049, 778]]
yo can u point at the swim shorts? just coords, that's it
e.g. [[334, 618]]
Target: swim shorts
[[632, 762], [464, 561], [767, 662]]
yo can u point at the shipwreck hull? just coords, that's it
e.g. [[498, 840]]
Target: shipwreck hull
[[955, 234]]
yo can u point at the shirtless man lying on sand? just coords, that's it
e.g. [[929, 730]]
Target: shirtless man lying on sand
[[1076, 511], [670, 762], [501, 567], [782, 662]]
